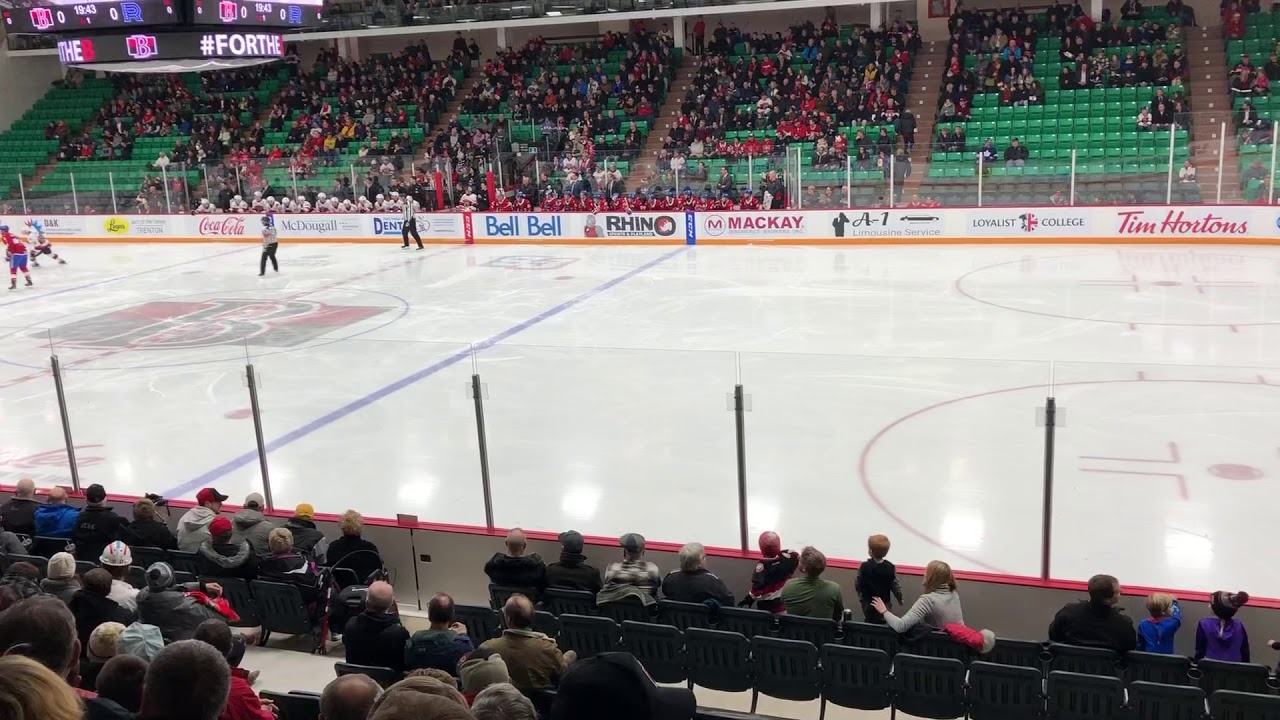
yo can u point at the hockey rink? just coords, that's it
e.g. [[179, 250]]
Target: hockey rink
[[891, 389]]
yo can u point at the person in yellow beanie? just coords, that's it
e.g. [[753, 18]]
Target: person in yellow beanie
[[307, 540]]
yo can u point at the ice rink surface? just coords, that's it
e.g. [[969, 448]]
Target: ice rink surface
[[891, 389]]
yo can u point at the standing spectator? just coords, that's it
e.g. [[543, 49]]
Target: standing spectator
[[811, 596], [352, 551], [877, 577], [938, 606], [443, 644], [31, 691], [634, 577], [193, 528], [96, 526], [242, 702], [43, 629], [1155, 634], [1016, 154], [376, 636], [503, 702], [56, 518], [572, 571], [348, 698], [116, 559], [693, 583], [60, 577], [220, 556], [775, 568], [147, 530], [699, 37], [615, 685], [906, 127], [1095, 622], [188, 680], [168, 606], [120, 683], [307, 539], [514, 568], [251, 525], [18, 515], [92, 607], [532, 658], [1223, 637]]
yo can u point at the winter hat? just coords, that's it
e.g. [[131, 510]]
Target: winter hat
[[1225, 604], [117, 554], [481, 669], [62, 566], [219, 527], [140, 640], [159, 576], [104, 641]]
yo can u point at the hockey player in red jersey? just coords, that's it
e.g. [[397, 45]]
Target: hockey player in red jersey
[[599, 204], [502, 204], [724, 202], [704, 202], [521, 203], [621, 203], [749, 201], [16, 252], [551, 202]]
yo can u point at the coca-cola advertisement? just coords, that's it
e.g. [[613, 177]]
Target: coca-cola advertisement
[[233, 226]]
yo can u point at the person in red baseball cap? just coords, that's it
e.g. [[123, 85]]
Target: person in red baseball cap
[[193, 528], [223, 556]]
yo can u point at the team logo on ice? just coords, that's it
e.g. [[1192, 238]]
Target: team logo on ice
[[182, 324]]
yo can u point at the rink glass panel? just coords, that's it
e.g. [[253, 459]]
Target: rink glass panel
[[31, 438]]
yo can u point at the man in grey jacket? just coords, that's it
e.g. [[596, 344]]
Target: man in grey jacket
[[166, 604], [193, 528], [251, 526]]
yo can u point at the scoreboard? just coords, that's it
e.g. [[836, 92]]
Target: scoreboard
[[58, 17]]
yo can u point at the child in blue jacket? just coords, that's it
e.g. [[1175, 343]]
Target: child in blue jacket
[[1155, 634]]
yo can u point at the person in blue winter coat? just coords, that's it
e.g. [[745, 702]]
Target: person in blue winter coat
[[1155, 634], [56, 518]]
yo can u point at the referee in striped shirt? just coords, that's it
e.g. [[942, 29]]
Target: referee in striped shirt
[[409, 222]]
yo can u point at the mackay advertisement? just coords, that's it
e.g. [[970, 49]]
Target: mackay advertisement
[[820, 225]]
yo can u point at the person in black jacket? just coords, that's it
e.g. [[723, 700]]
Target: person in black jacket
[[220, 557], [514, 568], [1095, 622], [91, 606], [573, 572], [376, 637], [284, 565], [97, 526], [19, 514], [877, 578], [147, 530], [352, 551], [307, 539], [693, 583]]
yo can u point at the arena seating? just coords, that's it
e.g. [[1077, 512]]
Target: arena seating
[[31, 140], [1259, 44]]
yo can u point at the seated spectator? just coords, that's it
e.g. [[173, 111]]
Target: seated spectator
[[170, 608], [307, 539], [420, 698], [147, 529], [1247, 117], [101, 645], [1187, 173], [634, 577], [352, 551], [19, 514], [1223, 637], [1016, 154], [1095, 622], [937, 607], [503, 702], [60, 577], [572, 571], [96, 526], [376, 636], [1155, 634], [116, 559], [188, 680], [693, 583], [19, 582], [877, 577], [514, 568], [142, 640], [219, 556], [119, 684], [615, 685], [1144, 119], [443, 644], [284, 565], [56, 518], [533, 659], [349, 698], [251, 526], [775, 568], [811, 596], [987, 154], [481, 669], [92, 607], [30, 691], [242, 702], [193, 527], [43, 629]]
